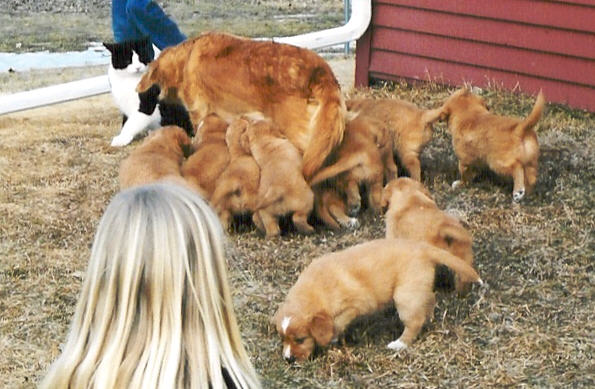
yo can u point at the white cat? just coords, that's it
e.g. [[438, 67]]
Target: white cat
[[129, 62]]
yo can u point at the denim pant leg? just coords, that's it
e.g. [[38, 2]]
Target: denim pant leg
[[151, 21], [124, 29]]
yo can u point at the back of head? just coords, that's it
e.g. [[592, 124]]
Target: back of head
[[155, 309]]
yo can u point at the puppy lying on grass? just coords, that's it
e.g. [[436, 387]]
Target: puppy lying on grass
[[282, 189], [210, 156], [158, 157], [413, 214], [409, 126], [236, 192], [508, 146], [339, 287]]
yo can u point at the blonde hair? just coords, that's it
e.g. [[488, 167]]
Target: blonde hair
[[155, 310]]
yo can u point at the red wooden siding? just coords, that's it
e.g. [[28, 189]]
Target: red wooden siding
[[519, 44]]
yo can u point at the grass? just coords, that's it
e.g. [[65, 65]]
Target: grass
[[532, 326]]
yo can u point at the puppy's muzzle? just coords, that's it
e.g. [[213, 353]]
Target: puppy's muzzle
[[290, 359]]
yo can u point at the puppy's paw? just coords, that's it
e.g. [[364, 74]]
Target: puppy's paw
[[354, 210], [121, 140], [397, 345], [457, 184], [518, 195], [353, 223]]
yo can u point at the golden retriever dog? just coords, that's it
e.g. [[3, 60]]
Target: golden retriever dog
[[236, 192], [359, 160], [338, 287], [330, 206], [508, 146], [413, 214], [158, 157], [282, 188], [410, 127], [231, 76], [210, 156]]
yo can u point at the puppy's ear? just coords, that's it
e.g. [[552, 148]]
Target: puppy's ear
[[451, 234], [386, 193], [431, 115], [322, 328]]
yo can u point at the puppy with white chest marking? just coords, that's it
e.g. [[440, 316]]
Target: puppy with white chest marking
[[413, 214], [341, 286], [508, 146], [158, 157], [410, 127], [282, 188]]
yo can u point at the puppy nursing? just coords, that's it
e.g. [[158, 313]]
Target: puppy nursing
[[231, 76], [158, 157], [508, 146], [341, 286]]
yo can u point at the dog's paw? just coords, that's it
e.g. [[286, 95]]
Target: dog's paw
[[456, 184], [120, 140], [353, 223], [518, 195], [397, 345]]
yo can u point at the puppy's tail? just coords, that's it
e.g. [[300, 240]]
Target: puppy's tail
[[531, 120], [465, 272], [328, 123], [223, 189], [341, 166]]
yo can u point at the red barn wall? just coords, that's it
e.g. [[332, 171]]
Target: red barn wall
[[523, 45]]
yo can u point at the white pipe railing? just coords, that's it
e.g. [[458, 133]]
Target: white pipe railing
[[358, 23]]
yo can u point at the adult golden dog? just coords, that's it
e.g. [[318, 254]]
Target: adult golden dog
[[409, 126], [341, 286], [158, 157], [508, 146], [230, 76], [413, 214]]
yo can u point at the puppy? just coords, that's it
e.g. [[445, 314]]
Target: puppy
[[413, 214], [358, 160], [339, 287], [231, 76], [282, 188], [330, 207], [409, 126], [508, 146], [158, 157], [210, 157], [236, 192]]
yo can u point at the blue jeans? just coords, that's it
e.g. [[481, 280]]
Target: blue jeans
[[138, 19]]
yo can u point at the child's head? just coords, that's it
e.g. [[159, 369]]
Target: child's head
[[155, 309]]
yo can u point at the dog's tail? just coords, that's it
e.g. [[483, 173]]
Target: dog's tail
[[465, 271], [341, 166], [531, 120], [328, 123]]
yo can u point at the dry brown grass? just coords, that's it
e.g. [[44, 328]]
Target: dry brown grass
[[532, 327]]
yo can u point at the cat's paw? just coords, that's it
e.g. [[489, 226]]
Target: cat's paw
[[121, 140]]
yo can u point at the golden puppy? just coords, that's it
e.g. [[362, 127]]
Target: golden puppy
[[330, 207], [158, 157], [359, 160], [210, 157], [413, 214], [508, 146], [410, 127], [339, 287], [282, 188], [230, 76], [236, 192]]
